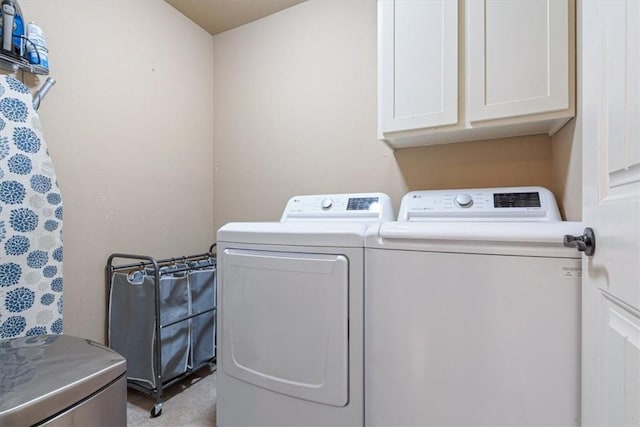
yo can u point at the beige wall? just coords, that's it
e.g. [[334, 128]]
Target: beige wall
[[129, 129], [566, 158], [567, 150], [295, 113]]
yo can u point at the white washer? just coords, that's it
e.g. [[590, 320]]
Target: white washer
[[290, 313], [472, 312]]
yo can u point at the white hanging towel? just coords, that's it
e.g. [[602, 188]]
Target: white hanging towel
[[30, 221]]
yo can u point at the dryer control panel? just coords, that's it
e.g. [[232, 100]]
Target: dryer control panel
[[369, 207], [480, 204]]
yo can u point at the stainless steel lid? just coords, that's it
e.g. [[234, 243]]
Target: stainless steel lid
[[45, 374]]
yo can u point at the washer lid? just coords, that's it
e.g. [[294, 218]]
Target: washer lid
[[45, 374], [333, 234]]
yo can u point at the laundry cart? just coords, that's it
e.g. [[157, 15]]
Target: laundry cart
[[61, 380], [162, 318]]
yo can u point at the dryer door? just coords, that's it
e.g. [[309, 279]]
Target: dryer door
[[285, 322]]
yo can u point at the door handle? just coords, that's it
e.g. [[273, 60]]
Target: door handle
[[585, 243]]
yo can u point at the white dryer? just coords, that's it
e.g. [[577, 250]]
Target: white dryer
[[472, 312], [290, 313]]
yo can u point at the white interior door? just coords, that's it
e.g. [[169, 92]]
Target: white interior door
[[611, 206]]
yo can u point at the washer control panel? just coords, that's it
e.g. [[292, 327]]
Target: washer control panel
[[480, 204], [373, 207], [463, 200]]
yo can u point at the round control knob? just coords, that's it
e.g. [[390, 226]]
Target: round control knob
[[463, 200], [326, 203]]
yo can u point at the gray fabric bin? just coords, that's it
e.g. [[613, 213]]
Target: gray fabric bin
[[132, 324], [187, 301], [203, 337], [202, 284]]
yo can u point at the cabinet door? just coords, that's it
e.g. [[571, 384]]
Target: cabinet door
[[518, 57], [418, 64]]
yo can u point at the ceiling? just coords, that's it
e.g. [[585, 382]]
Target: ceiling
[[216, 16]]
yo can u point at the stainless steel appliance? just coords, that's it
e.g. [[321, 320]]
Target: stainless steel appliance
[[61, 380]]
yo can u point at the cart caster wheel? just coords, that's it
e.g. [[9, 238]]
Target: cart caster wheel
[[157, 410]]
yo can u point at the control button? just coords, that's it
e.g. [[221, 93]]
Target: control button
[[463, 200], [326, 203]]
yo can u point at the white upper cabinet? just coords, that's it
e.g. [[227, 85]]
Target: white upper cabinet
[[521, 64], [418, 64], [462, 70]]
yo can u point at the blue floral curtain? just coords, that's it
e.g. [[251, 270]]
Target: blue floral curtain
[[30, 221]]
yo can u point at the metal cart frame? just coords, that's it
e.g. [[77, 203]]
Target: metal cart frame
[[146, 262]]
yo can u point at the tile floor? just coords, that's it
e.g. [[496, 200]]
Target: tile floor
[[190, 402]]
